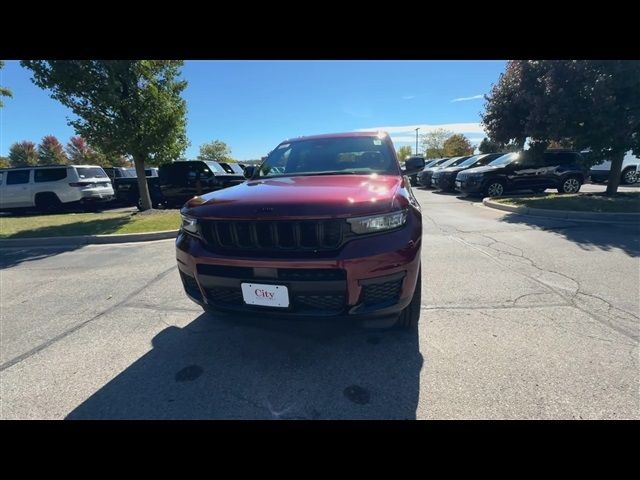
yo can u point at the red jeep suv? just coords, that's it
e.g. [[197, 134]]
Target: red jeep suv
[[326, 225]]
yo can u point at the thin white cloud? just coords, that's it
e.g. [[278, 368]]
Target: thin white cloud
[[401, 130], [408, 97], [403, 138], [464, 99]]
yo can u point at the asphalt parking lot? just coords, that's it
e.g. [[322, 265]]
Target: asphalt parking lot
[[522, 318]]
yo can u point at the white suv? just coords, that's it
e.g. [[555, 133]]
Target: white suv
[[628, 173], [49, 188]]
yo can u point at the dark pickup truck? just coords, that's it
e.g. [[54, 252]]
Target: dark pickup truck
[[175, 184]]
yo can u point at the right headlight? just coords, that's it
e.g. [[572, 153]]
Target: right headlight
[[378, 223], [189, 224]]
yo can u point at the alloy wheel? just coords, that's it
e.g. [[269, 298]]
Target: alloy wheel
[[495, 189], [571, 185], [630, 176]]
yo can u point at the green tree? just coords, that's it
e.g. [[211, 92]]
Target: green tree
[[216, 151], [4, 162], [457, 145], [124, 107], [51, 152], [23, 154], [589, 104], [489, 146], [433, 142], [4, 91], [404, 152]]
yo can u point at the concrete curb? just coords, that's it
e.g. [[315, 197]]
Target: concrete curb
[[88, 239], [564, 214]]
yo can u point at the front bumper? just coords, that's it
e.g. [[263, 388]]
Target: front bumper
[[468, 185], [444, 182], [424, 179], [366, 278]]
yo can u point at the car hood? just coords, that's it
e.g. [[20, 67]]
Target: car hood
[[326, 196], [453, 169], [484, 169]]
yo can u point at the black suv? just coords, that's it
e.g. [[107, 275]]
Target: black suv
[[424, 177], [445, 179], [413, 179], [525, 170]]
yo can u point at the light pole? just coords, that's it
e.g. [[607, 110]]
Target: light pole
[[417, 140]]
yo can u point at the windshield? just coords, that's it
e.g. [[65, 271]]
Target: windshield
[[436, 162], [327, 156], [215, 167], [129, 172], [232, 168], [452, 162], [470, 161], [505, 159], [91, 172]]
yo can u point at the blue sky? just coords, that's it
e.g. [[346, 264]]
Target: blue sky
[[253, 105]]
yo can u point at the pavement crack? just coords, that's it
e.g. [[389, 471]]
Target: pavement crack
[[77, 327], [520, 297], [493, 307], [569, 298]]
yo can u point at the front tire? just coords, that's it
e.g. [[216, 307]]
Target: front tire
[[410, 316], [570, 185], [494, 188], [629, 176]]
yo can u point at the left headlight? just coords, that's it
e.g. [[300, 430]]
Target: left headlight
[[189, 224], [378, 223]]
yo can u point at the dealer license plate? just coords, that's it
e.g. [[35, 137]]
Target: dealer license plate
[[265, 295]]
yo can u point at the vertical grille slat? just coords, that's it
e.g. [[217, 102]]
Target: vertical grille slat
[[254, 235], [234, 234], [297, 233], [280, 235], [320, 233]]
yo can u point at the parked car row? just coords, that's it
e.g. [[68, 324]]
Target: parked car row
[[444, 178], [494, 174], [497, 173], [50, 188]]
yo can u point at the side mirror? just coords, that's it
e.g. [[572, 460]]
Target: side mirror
[[413, 165], [249, 171]]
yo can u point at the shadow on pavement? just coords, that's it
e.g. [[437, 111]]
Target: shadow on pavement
[[234, 368], [10, 257], [445, 193], [469, 198], [588, 235], [98, 226]]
